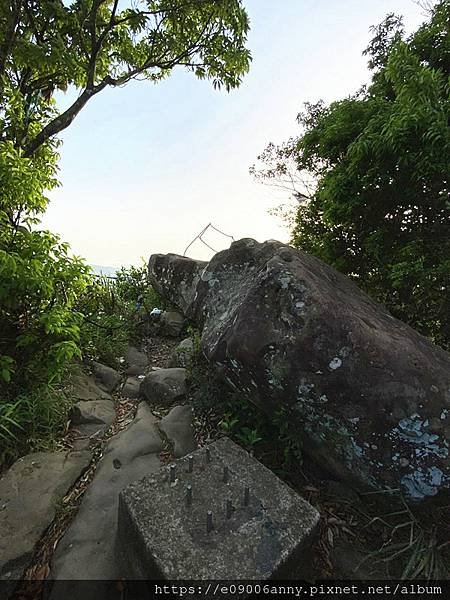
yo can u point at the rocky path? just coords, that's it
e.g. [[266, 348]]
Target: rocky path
[[58, 510]]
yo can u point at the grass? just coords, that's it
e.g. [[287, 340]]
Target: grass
[[34, 421], [416, 544]]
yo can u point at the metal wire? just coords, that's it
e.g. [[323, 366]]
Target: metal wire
[[202, 232]]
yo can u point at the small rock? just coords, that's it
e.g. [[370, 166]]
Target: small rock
[[131, 388], [178, 427], [182, 354], [136, 360], [93, 411], [172, 323], [83, 387], [109, 378], [164, 386]]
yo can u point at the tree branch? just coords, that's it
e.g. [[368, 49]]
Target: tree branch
[[63, 120]]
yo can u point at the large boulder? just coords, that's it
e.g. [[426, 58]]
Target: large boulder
[[175, 277], [369, 396]]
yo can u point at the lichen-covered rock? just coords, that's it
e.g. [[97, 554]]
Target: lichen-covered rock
[[175, 277], [370, 397]]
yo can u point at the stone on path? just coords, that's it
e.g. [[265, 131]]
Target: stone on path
[[179, 429], [108, 377], [182, 355], [86, 550], [137, 361], [131, 388], [165, 386], [93, 411], [83, 387], [29, 495], [172, 323], [89, 421], [163, 536]]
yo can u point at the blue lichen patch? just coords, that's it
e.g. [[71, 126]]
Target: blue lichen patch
[[424, 449]]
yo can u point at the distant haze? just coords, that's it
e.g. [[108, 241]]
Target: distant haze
[[101, 270]]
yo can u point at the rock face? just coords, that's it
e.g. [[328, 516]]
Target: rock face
[[175, 277], [370, 396], [29, 495], [164, 386]]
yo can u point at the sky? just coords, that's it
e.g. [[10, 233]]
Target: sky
[[145, 168]]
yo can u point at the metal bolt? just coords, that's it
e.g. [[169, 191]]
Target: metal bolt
[[190, 464], [225, 474], [189, 495], [246, 496], [209, 521], [172, 470], [208, 455], [229, 510]]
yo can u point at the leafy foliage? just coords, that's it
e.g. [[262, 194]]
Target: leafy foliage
[[380, 159], [91, 44], [51, 309], [116, 312], [272, 439], [39, 280], [32, 421]]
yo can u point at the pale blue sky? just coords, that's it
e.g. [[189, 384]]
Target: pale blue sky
[[145, 167]]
